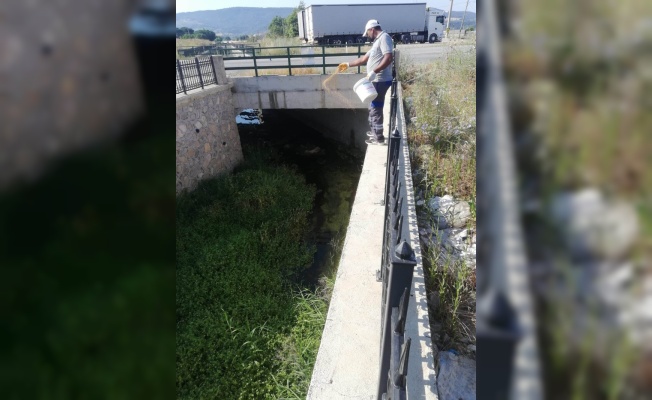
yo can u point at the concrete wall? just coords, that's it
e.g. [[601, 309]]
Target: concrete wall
[[69, 79], [346, 126], [207, 137], [297, 92]]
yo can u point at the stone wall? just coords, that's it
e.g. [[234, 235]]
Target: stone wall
[[207, 137]]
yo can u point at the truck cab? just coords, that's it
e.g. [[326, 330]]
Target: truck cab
[[433, 28], [435, 20]]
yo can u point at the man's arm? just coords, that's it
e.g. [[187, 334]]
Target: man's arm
[[359, 61], [384, 63]]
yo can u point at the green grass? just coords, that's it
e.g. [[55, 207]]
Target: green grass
[[298, 351], [452, 283], [442, 146], [244, 329], [442, 139]]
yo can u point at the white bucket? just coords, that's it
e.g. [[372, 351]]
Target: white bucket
[[365, 90]]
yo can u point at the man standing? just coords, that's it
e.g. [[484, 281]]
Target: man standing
[[378, 59]]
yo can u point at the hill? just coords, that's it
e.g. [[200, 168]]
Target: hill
[[456, 19], [250, 20], [232, 21]]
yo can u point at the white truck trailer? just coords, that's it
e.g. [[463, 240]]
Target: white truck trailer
[[344, 23]]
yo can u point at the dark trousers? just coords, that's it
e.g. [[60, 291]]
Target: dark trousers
[[376, 109]]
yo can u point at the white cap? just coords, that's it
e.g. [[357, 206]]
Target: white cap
[[372, 23]]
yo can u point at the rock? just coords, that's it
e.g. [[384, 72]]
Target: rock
[[471, 348], [448, 212], [421, 202], [452, 239], [313, 151], [613, 285], [455, 377], [592, 227], [469, 254], [638, 319], [444, 238], [621, 229], [441, 222]]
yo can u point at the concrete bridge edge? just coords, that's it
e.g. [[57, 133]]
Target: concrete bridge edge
[[422, 376], [333, 377]]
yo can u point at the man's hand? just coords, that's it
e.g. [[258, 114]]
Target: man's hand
[[342, 67], [371, 75]]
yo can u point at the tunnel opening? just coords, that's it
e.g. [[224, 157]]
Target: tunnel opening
[[328, 158]]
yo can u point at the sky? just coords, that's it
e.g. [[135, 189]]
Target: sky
[[197, 5]]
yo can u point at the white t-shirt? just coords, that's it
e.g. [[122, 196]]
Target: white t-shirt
[[381, 46]]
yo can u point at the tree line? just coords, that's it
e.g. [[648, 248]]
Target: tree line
[[286, 27]]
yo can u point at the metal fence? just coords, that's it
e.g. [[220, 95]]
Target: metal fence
[[397, 267], [195, 73], [199, 71], [312, 53], [232, 49]]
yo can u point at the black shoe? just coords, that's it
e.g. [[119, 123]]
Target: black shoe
[[370, 134], [373, 141]]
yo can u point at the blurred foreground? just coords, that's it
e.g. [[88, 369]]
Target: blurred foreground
[[576, 77], [86, 204]]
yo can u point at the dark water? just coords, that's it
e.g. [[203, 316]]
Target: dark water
[[334, 169]]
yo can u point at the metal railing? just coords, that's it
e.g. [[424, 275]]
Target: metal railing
[[294, 52], [397, 267], [199, 71], [508, 365], [218, 50], [195, 73]]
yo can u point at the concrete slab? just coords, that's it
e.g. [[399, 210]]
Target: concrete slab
[[456, 377], [296, 92]]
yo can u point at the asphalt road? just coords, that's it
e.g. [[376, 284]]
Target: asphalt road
[[417, 53], [426, 52]]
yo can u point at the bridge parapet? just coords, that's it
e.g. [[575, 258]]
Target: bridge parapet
[[296, 92]]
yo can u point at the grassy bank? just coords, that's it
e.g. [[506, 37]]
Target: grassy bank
[[440, 99], [244, 330]]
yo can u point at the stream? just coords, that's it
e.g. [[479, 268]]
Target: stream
[[333, 168]]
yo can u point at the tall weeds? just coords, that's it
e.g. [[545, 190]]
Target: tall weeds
[[440, 103], [242, 330]]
